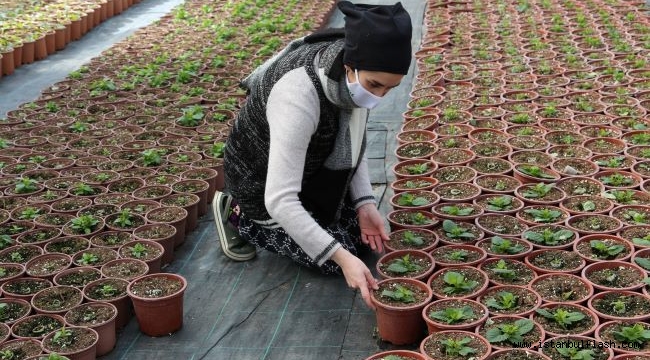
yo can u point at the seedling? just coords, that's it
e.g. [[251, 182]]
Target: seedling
[[604, 251], [417, 169], [544, 215], [534, 171], [410, 238], [455, 231], [25, 186], [139, 251], [401, 294], [587, 206], [124, 219], [84, 224], [29, 213], [88, 259], [217, 149], [418, 218], [458, 255], [151, 157], [409, 199], [192, 116], [636, 333], [617, 180], [500, 203], [618, 306], [504, 300], [549, 237], [5, 241], [511, 333], [562, 317], [500, 185], [537, 191], [453, 315], [63, 337], [644, 241], [501, 270], [455, 210], [499, 245], [640, 139], [521, 118], [81, 189], [404, 265], [621, 196], [7, 355], [457, 283], [643, 262], [108, 291], [635, 217], [458, 347]]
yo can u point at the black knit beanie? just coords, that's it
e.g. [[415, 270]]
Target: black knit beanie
[[377, 37]]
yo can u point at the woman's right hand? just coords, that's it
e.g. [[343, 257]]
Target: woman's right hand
[[356, 273]]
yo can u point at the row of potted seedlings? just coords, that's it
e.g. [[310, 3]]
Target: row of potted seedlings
[[32, 30], [521, 214], [108, 171]]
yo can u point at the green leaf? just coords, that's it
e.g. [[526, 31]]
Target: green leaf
[[643, 262]]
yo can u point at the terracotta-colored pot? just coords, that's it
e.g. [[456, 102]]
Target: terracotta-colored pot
[[161, 315], [47, 265], [516, 354], [519, 174], [513, 248], [592, 321], [584, 248], [401, 324], [629, 284], [432, 341], [22, 309], [402, 354], [154, 261], [529, 300], [485, 202], [105, 328], [127, 269], [164, 234], [605, 331], [96, 291], [631, 301], [87, 353], [477, 255], [457, 211], [78, 276], [578, 263], [598, 220], [411, 219], [413, 168], [419, 258], [410, 239], [436, 280], [478, 315], [29, 347], [35, 326], [509, 319], [42, 306], [414, 199], [563, 287], [13, 289]]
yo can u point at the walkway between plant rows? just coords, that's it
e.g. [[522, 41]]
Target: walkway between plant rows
[[267, 308]]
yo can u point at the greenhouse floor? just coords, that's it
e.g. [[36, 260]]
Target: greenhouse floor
[[266, 308]]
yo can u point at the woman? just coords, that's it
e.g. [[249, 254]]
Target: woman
[[294, 161]]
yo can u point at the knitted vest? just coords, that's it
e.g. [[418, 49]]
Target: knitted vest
[[247, 149]]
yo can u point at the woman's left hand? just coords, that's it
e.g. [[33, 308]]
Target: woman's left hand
[[371, 222]]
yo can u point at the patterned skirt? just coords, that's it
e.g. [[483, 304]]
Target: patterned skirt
[[346, 231]]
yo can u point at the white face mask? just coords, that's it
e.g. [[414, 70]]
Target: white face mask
[[360, 96]]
